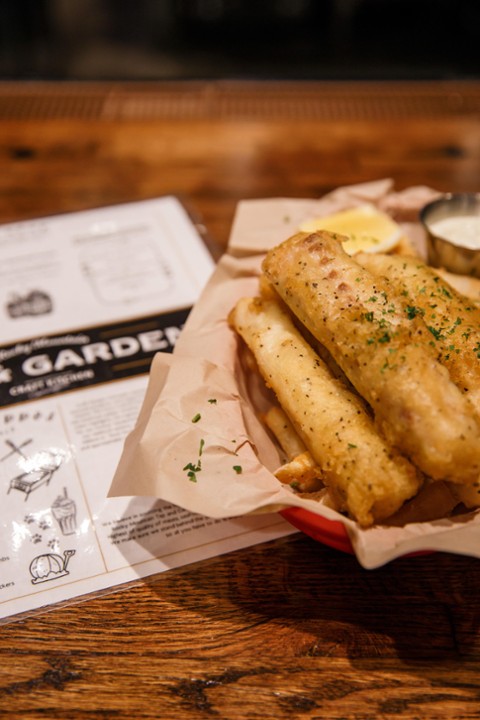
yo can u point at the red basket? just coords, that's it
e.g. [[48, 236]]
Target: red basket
[[329, 532]]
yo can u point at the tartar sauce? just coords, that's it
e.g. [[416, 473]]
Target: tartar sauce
[[462, 230]]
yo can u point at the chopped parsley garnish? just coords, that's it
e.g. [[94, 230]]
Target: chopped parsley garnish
[[196, 418], [437, 334], [238, 469], [412, 311], [193, 468], [212, 401], [457, 322]]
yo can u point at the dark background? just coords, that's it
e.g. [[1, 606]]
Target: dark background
[[245, 39]]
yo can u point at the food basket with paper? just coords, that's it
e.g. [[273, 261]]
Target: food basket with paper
[[327, 373]]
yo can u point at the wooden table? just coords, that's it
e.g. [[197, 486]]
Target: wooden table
[[289, 629]]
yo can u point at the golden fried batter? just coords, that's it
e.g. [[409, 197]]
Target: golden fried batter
[[383, 349], [452, 319], [366, 477]]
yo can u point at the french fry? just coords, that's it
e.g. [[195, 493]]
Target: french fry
[[279, 424], [300, 472], [365, 476]]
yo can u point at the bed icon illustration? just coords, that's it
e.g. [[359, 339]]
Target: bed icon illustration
[[50, 566]]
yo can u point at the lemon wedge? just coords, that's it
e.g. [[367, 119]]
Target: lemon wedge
[[367, 229]]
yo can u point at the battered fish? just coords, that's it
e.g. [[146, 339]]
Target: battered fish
[[452, 319], [365, 476], [384, 351]]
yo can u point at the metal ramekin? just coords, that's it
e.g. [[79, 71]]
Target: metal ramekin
[[442, 252]]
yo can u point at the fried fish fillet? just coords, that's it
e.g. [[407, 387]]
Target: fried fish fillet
[[268, 292], [452, 319], [384, 351], [366, 477]]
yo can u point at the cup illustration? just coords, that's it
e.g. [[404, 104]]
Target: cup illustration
[[65, 513]]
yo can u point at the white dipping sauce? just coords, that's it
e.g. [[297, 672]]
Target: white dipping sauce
[[462, 230]]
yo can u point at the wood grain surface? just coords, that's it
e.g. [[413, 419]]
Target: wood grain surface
[[289, 629]]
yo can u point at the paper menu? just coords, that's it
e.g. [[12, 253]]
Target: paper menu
[[99, 266], [86, 300]]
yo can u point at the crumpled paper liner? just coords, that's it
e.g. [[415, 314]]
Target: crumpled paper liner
[[198, 442]]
